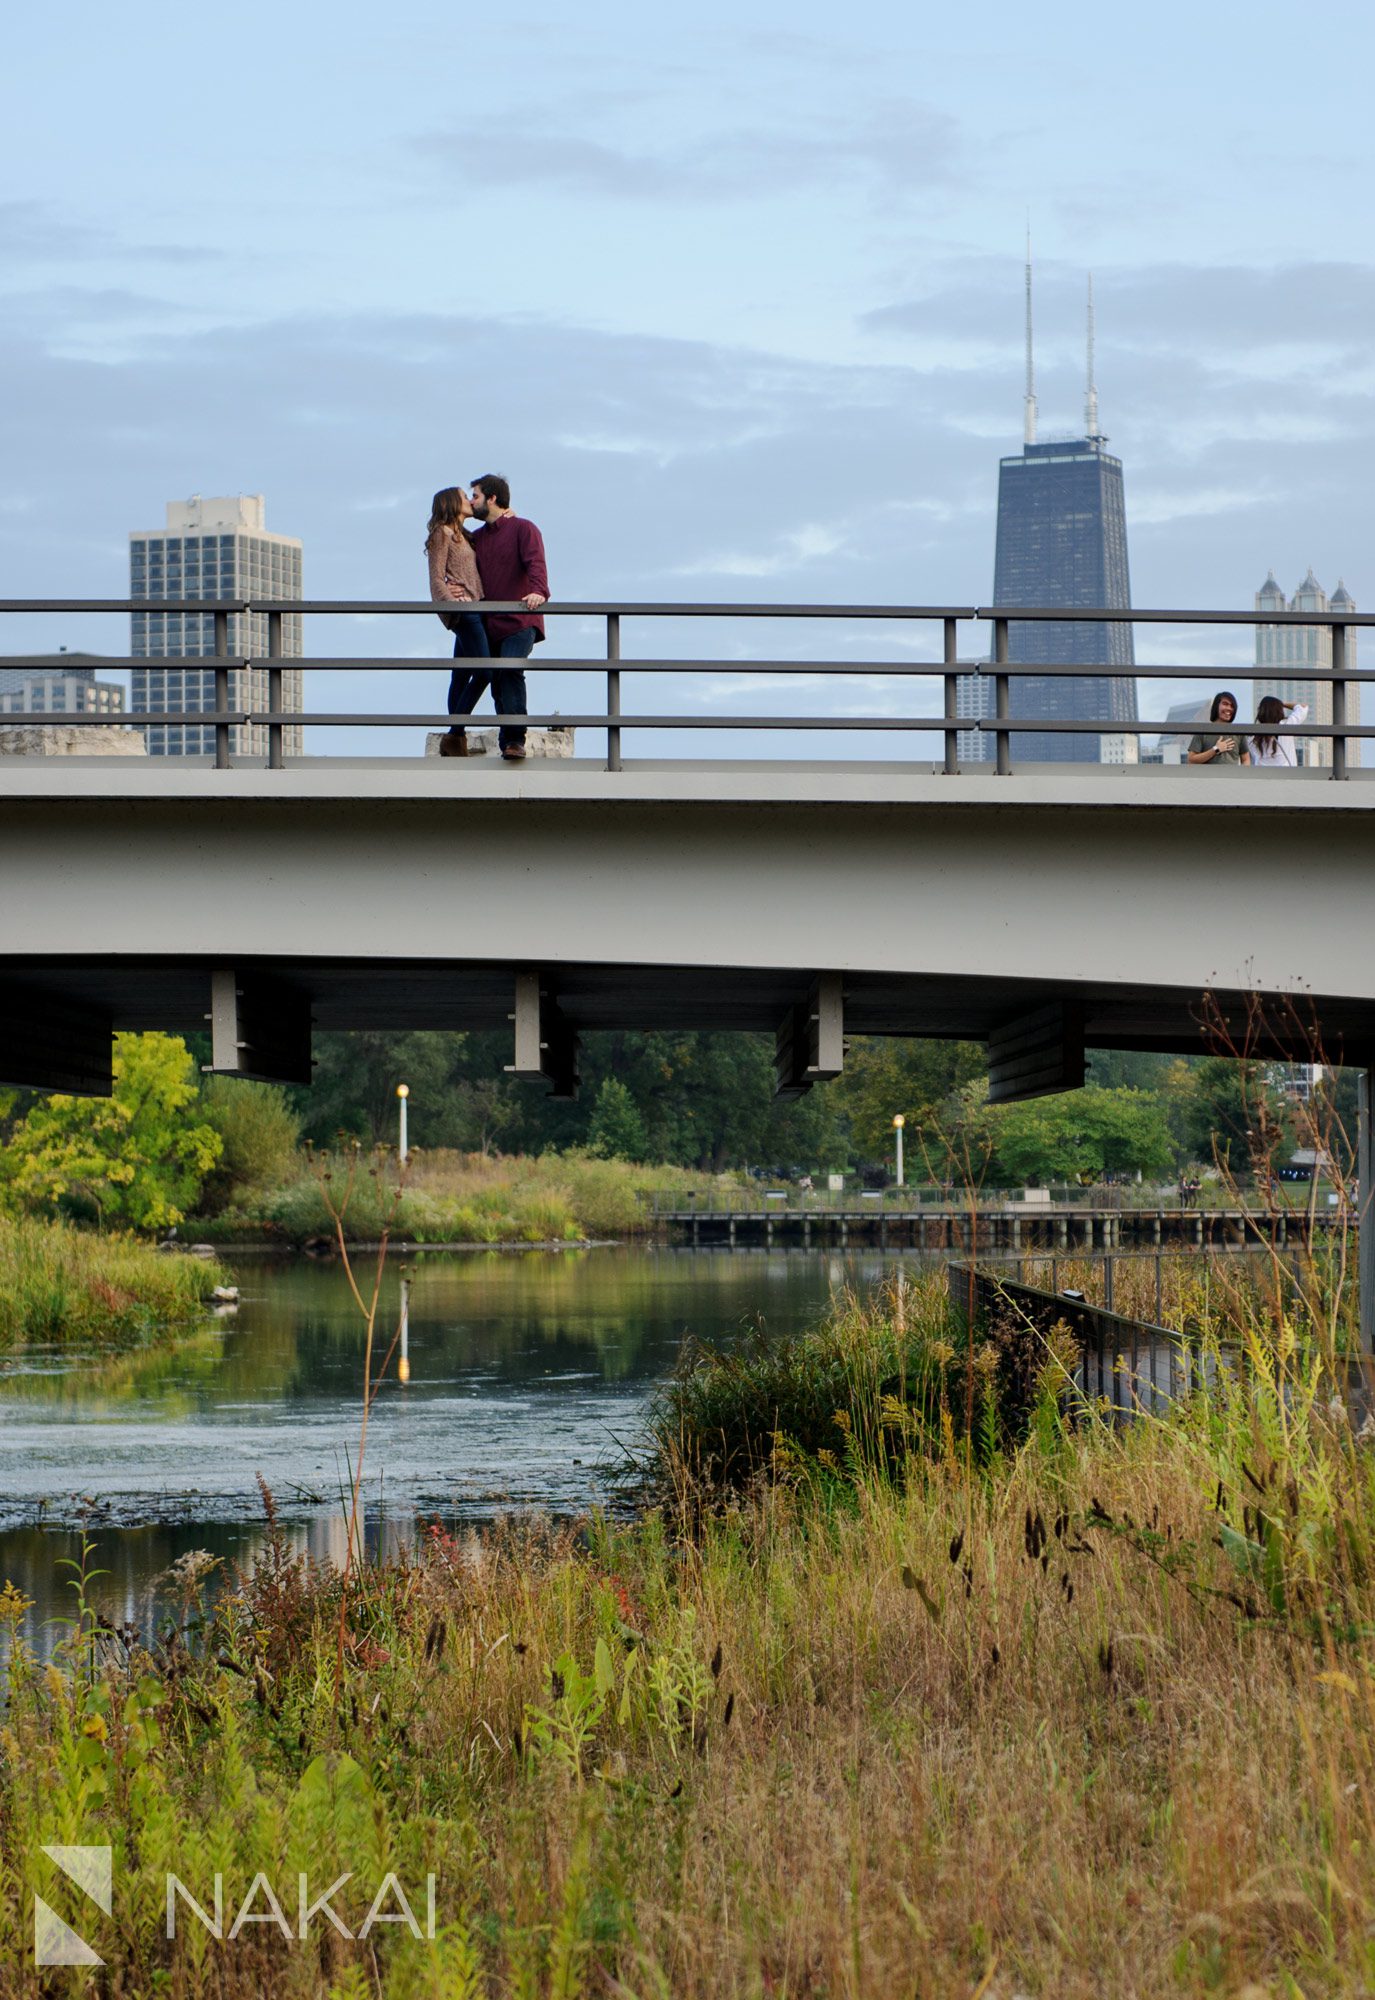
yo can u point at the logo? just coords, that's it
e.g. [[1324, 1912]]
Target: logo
[[54, 1941], [92, 1869]]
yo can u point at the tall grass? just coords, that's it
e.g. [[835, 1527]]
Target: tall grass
[[465, 1198], [1093, 1715], [59, 1284]]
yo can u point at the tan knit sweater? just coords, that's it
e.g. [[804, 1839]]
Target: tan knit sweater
[[453, 571]]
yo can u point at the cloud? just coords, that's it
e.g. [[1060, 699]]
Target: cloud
[[798, 549], [899, 146], [35, 232], [1184, 504], [1279, 316]]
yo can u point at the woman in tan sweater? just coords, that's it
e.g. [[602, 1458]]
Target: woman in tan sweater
[[454, 580]]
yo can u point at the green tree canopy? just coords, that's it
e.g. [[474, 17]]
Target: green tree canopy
[[1062, 1138], [139, 1156], [884, 1075], [617, 1130]]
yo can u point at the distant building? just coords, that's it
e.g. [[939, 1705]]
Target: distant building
[[1290, 649], [1062, 542], [58, 684], [1172, 744], [211, 548], [974, 694]]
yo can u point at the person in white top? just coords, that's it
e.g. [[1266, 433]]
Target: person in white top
[[1270, 751]]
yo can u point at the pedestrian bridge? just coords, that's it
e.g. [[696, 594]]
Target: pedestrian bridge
[[1042, 909]]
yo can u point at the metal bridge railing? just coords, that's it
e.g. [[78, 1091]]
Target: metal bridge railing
[[1003, 671]]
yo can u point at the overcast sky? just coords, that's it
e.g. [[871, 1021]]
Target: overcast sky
[[732, 293]]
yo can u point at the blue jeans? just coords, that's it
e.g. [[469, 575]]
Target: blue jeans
[[508, 683], [470, 643]]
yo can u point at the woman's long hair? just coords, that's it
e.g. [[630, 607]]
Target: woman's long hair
[[446, 511], [1269, 710]]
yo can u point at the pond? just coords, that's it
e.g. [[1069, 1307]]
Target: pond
[[529, 1376]]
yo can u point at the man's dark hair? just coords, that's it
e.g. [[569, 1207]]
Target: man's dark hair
[[494, 487]]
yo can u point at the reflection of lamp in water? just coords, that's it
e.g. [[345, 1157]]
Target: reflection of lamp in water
[[403, 1365], [403, 1091], [898, 1122]]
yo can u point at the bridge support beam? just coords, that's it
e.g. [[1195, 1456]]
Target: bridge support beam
[[546, 1042], [48, 1042], [1034, 1054], [1365, 1210], [810, 1044], [259, 1027]]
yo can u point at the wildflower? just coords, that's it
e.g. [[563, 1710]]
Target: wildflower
[[13, 1604]]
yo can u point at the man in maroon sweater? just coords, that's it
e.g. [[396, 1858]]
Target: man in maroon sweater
[[510, 561]]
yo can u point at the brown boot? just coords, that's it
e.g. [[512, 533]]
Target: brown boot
[[514, 753], [453, 744]]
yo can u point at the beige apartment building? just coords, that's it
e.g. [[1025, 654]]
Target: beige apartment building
[[1292, 652]]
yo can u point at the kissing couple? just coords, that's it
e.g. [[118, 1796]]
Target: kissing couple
[[501, 560]]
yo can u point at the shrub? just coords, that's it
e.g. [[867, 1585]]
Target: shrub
[[259, 1135]]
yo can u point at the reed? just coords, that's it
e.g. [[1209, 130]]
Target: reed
[[59, 1284]]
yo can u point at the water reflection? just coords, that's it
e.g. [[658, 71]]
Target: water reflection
[[527, 1371]]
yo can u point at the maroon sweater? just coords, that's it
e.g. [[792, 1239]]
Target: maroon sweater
[[510, 561]]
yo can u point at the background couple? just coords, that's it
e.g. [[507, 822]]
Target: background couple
[[502, 559]]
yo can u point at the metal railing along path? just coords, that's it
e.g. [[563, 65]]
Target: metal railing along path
[[616, 720]]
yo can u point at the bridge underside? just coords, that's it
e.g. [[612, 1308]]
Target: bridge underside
[[1041, 913], [404, 994]]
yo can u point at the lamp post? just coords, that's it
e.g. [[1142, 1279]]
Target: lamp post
[[403, 1091], [898, 1122]]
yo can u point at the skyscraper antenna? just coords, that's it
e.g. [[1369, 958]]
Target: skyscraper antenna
[[1029, 418], [1091, 430]]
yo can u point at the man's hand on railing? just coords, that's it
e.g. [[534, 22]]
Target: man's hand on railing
[[532, 600]]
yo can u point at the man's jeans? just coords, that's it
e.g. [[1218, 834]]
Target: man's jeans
[[508, 683]]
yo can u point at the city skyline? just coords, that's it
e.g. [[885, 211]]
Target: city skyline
[[788, 367]]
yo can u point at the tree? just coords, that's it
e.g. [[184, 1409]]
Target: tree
[[703, 1099], [1077, 1133], [1226, 1110], [139, 1156], [884, 1075], [617, 1130], [354, 1091]]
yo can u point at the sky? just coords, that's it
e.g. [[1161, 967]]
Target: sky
[[731, 293]]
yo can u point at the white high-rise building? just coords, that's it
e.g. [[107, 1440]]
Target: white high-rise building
[[1290, 649], [211, 548]]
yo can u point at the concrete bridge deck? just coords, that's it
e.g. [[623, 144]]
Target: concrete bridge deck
[[403, 892]]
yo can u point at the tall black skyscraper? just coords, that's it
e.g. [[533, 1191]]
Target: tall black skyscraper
[[1062, 540]]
